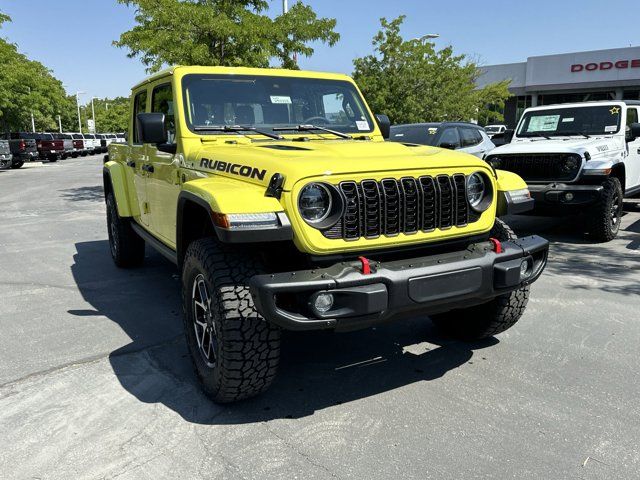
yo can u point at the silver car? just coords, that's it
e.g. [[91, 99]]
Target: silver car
[[461, 136]]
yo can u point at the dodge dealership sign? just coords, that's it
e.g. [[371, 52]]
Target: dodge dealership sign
[[590, 67]]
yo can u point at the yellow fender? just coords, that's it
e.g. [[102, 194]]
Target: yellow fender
[[508, 181], [225, 195], [115, 179]]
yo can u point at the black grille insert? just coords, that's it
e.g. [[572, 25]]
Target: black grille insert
[[406, 205], [540, 167]]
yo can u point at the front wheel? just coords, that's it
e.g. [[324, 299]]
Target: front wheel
[[493, 317], [17, 163], [234, 350], [603, 222]]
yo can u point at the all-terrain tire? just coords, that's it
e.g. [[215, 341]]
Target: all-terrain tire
[[491, 318], [239, 356], [127, 248], [603, 221], [17, 163]]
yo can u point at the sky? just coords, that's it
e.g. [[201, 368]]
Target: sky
[[74, 37]]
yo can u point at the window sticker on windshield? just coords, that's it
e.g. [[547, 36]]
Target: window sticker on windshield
[[543, 123], [432, 130], [362, 125], [567, 120], [611, 128], [281, 99]]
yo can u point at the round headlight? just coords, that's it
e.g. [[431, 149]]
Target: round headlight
[[475, 190], [570, 164], [315, 202]]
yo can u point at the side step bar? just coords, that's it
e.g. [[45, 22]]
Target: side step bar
[[160, 247]]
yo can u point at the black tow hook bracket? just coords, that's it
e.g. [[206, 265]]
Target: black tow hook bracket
[[275, 186]]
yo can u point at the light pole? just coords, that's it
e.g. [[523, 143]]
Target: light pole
[[33, 122], [78, 104], [285, 6], [93, 113], [60, 123]]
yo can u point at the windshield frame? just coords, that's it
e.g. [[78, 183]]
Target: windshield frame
[[554, 134], [184, 83]]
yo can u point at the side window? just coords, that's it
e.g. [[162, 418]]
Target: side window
[[469, 137], [632, 116], [162, 102], [450, 137], [139, 106]]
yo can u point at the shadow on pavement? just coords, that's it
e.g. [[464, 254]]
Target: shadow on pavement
[[81, 194], [318, 370]]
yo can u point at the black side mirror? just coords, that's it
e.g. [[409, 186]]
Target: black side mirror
[[151, 128], [384, 124], [633, 132], [448, 145], [508, 135]]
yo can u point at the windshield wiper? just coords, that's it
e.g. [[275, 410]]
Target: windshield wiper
[[309, 128], [237, 129], [536, 134], [570, 134]]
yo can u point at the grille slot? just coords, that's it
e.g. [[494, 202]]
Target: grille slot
[[541, 167], [407, 205]]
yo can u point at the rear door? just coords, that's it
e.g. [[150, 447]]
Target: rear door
[[163, 183], [471, 141], [138, 157], [633, 160]]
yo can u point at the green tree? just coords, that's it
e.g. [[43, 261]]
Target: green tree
[[27, 87], [413, 82], [112, 114], [222, 32]]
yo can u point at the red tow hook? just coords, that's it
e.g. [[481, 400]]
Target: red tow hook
[[366, 267], [497, 246]]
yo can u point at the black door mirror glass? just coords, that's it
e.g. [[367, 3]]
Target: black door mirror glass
[[151, 128], [508, 135], [633, 132], [384, 124]]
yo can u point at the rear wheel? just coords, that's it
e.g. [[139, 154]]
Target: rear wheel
[[127, 248], [491, 318], [234, 350], [603, 222]]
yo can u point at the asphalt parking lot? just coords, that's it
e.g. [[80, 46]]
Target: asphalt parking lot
[[95, 381]]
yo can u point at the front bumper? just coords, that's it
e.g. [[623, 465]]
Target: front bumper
[[397, 289], [564, 195]]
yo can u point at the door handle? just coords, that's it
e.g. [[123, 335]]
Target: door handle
[[639, 150], [131, 164]]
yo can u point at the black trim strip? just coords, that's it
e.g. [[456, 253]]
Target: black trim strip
[[160, 247]]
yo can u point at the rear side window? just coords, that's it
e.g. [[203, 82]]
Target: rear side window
[[162, 102], [139, 106], [450, 137], [632, 116], [470, 137], [419, 134]]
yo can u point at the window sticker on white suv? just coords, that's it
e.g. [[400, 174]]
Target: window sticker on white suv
[[543, 123], [611, 128], [281, 99]]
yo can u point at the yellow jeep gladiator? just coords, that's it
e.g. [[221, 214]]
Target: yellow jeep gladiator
[[282, 206]]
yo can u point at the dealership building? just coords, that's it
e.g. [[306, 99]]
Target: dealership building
[[571, 77]]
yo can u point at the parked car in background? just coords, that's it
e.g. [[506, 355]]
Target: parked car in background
[[103, 142], [47, 147], [67, 144], [492, 130], [23, 149], [79, 145], [6, 158], [461, 136], [92, 143], [578, 158]]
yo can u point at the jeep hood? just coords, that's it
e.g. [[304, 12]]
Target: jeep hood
[[595, 146], [300, 160]]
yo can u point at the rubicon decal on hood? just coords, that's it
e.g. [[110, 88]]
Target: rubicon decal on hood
[[234, 168]]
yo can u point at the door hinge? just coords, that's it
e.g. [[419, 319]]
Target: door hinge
[[145, 207]]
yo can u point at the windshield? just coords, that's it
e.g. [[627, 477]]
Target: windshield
[[423, 134], [557, 122], [266, 102]]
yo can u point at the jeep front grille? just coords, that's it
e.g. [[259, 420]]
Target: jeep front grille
[[540, 167], [407, 205]]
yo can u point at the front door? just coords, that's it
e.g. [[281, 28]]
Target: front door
[[632, 163], [164, 174]]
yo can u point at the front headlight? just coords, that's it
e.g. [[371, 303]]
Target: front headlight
[[495, 162], [479, 192], [315, 202]]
